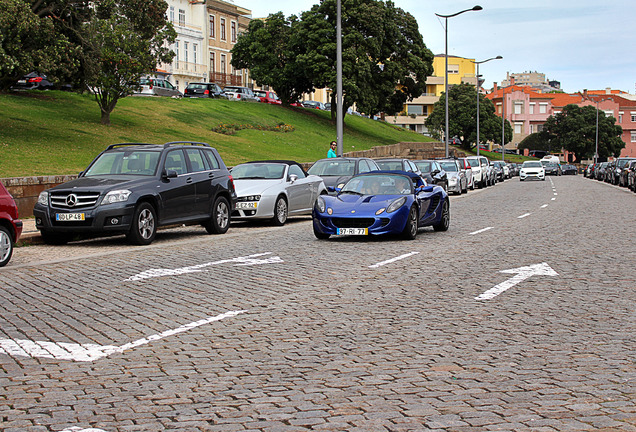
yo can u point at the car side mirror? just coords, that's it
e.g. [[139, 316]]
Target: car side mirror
[[435, 172], [168, 174], [293, 178], [331, 189]]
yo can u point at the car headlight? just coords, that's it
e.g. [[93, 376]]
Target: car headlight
[[43, 198], [320, 204], [396, 204], [452, 180], [116, 196]]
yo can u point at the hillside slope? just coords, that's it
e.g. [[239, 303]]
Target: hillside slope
[[49, 133]]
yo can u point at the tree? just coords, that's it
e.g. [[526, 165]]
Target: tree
[[574, 129], [124, 40], [462, 117], [535, 141], [269, 49]]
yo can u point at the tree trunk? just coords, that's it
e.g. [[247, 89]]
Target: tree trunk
[[105, 118]]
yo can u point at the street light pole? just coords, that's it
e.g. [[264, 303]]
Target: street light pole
[[446, 17], [339, 98], [477, 75], [596, 151]]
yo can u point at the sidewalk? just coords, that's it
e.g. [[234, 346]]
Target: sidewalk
[[30, 235]]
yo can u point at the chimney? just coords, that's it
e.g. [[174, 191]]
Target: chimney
[[585, 93], [494, 87], [608, 90]]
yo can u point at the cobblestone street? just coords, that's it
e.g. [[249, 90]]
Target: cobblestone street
[[269, 329]]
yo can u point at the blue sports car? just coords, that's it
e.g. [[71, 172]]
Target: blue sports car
[[382, 202]]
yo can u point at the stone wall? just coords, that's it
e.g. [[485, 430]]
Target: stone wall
[[25, 190]]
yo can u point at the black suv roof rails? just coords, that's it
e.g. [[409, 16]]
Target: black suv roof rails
[[168, 144], [112, 146]]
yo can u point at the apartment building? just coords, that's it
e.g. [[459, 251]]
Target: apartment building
[[460, 70]]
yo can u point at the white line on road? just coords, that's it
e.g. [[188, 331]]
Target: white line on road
[[91, 352], [555, 193], [523, 215], [481, 231], [544, 206], [393, 260], [553, 199]]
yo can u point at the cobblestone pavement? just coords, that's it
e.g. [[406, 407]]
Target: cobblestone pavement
[[335, 335]]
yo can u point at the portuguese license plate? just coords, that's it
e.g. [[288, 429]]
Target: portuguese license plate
[[352, 231], [67, 217], [246, 205]]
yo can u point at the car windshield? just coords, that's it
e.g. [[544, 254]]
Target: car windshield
[[623, 162], [449, 166], [255, 171], [424, 166], [390, 165], [379, 184], [260, 93], [133, 162], [532, 164], [551, 165], [473, 162], [337, 167]]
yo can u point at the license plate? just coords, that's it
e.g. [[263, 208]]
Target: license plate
[[64, 217], [352, 231], [246, 205], [21, 81]]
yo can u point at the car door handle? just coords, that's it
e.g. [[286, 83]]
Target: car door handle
[[189, 180]]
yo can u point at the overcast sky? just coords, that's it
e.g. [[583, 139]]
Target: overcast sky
[[584, 44]]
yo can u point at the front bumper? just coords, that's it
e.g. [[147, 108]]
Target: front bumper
[[264, 209], [112, 218], [385, 223], [532, 176]]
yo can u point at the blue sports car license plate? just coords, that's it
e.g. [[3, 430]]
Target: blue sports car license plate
[[352, 231]]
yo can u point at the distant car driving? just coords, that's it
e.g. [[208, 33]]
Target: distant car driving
[[532, 170]]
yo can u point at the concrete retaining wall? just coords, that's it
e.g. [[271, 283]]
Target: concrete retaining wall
[[25, 190]]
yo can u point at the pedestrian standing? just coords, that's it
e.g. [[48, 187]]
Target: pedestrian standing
[[332, 150]]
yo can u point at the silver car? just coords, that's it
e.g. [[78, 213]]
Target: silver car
[[274, 190], [156, 87], [457, 181]]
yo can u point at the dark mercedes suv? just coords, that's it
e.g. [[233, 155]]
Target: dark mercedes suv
[[134, 188]]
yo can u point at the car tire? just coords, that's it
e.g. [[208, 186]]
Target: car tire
[[219, 221], [281, 211], [410, 228], [6, 246], [444, 223], [466, 188], [53, 239], [144, 225], [321, 236]]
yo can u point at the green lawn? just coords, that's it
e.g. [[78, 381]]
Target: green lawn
[[54, 133]]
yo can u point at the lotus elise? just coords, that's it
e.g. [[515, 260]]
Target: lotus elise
[[382, 202]]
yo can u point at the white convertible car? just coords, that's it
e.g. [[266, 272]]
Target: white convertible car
[[274, 190]]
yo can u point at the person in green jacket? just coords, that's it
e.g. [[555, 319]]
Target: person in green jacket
[[332, 150]]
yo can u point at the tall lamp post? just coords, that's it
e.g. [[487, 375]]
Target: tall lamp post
[[339, 98], [446, 17], [477, 75], [596, 150]]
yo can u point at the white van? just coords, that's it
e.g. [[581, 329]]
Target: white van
[[550, 158]]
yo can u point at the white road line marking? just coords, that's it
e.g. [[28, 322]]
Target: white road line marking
[[393, 260], [91, 352], [523, 215], [555, 193], [481, 231], [523, 273], [544, 206], [241, 261], [553, 199]]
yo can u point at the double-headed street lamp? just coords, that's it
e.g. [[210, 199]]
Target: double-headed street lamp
[[477, 75], [446, 17]]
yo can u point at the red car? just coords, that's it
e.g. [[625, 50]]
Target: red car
[[10, 225], [267, 97]]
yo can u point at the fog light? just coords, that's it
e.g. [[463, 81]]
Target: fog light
[[38, 221], [114, 221]]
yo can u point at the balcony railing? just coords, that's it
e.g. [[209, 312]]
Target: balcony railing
[[224, 79], [187, 68]]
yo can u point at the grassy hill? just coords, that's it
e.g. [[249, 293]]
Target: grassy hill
[[49, 133]]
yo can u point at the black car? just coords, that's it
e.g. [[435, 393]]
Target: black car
[[433, 172], [33, 81], [203, 90], [335, 172], [569, 169], [134, 188], [552, 168], [618, 177]]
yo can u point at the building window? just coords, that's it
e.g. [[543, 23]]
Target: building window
[[185, 53], [415, 109], [194, 53], [620, 118], [171, 13], [212, 63], [532, 108], [518, 106], [176, 55], [453, 69], [518, 128], [633, 136], [499, 108], [176, 84], [233, 31], [543, 108], [633, 117], [212, 27], [222, 63], [181, 17], [223, 29], [539, 128]]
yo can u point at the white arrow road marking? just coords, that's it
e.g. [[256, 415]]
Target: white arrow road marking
[[393, 260], [523, 273], [481, 231], [241, 261], [79, 429], [91, 352]]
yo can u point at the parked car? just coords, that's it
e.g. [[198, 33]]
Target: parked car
[[617, 177], [335, 172], [569, 169], [468, 170], [204, 90], [552, 168], [33, 81], [433, 173], [134, 188], [599, 171], [631, 176], [313, 104], [152, 86], [399, 165], [457, 181], [482, 173], [532, 170], [499, 171], [10, 225], [267, 96], [379, 203], [238, 93], [274, 190]]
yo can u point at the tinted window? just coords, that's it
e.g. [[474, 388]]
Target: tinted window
[[197, 161], [125, 162], [175, 161], [363, 166], [390, 165], [214, 164]]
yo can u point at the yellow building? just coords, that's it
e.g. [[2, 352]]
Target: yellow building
[[460, 70]]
